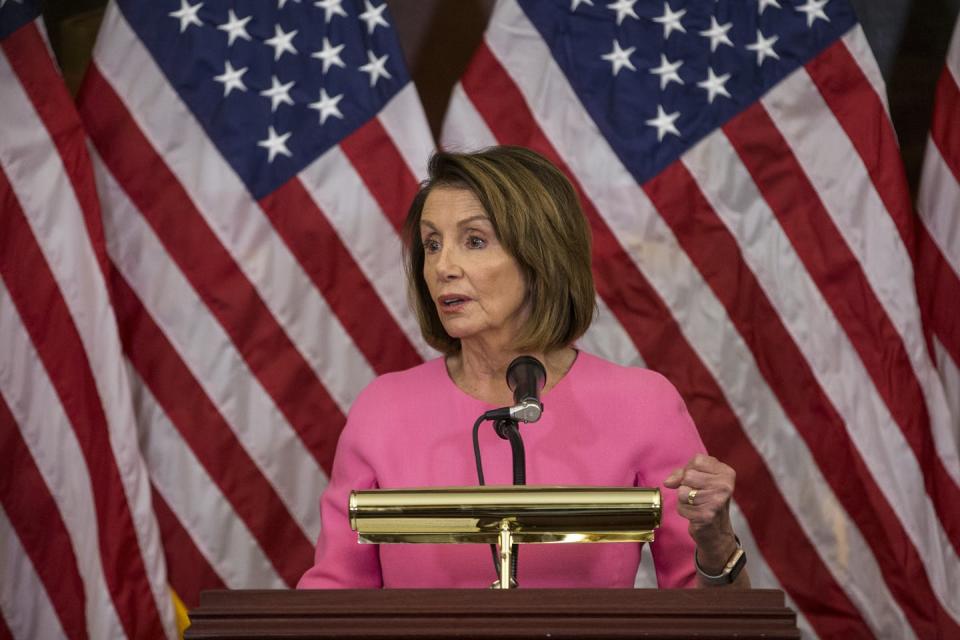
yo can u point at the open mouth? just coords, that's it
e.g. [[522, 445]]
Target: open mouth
[[452, 302]]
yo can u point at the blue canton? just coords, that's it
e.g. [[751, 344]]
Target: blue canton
[[275, 83], [16, 13], [658, 76]]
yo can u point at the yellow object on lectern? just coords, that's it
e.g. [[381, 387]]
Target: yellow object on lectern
[[505, 515]]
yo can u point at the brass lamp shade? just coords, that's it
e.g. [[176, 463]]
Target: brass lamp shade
[[532, 514]]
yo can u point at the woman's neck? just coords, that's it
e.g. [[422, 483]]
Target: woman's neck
[[480, 371]]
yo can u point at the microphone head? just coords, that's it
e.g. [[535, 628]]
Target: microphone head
[[526, 377]]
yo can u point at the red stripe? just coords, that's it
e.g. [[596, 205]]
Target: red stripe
[[838, 275], [648, 321], [35, 517], [212, 440], [5, 633], [30, 59], [217, 279], [47, 319], [381, 167], [318, 248], [938, 285], [188, 571], [944, 129], [714, 250]]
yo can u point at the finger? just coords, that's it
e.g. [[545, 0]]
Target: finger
[[701, 480], [673, 480], [707, 464]]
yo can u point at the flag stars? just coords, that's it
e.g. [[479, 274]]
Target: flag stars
[[664, 123], [624, 9], [329, 55], [282, 42], [764, 47], [717, 33], [275, 144], [715, 85], [278, 93], [376, 67], [235, 27], [327, 106], [667, 71], [373, 16], [573, 4], [331, 8], [231, 79], [620, 58], [187, 15], [763, 4], [671, 20], [814, 11]]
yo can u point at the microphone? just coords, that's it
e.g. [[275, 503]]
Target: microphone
[[526, 377]]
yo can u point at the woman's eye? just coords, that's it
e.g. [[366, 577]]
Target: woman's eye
[[431, 246], [476, 242]]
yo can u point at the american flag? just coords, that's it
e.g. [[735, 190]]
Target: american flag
[[254, 161], [80, 550], [755, 242], [938, 203]]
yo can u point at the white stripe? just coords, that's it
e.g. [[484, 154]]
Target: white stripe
[[223, 200], [938, 203], [950, 374], [209, 354], [340, 193], [655, 251], [842, 181], [607, 338], [217, 531], [646, 577], [404, 121], [761, 576], [858, 46], [463, 127], [49, 436], [24, 602], [818, 335], [38, 177]]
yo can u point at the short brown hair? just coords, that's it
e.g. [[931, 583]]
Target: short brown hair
[[537, 218]]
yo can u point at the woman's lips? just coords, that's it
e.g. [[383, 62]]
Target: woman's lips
[[452, 303]]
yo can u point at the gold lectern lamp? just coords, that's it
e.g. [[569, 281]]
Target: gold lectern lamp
[[505, 515]]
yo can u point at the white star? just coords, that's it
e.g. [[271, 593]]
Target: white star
[[373, 16], [3, 2], [187, 15], [620, 58], [231, 79], [764, 47], [767, 3], [576, 3], [715, 85], [664, 123], [281, 3], [327, 106], [667, 71], [376, 67], [814, 10], [671, 20], [331, 8], [235, 27], [623, 8], [281, 42], [717, 33], [278, 93], [275, 144], [329, 54]]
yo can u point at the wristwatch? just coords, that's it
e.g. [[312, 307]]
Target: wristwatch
[[731, 570]]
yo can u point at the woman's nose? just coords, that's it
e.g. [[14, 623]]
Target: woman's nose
[[448, 264]]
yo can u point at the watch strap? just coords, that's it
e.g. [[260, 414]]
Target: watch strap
[[733, 567]]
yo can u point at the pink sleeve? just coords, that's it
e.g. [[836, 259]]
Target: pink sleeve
[[340, 561], [673, 547]]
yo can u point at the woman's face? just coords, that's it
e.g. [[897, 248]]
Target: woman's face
[[476, 285]]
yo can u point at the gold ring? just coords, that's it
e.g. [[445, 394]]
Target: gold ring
[[691, 496]]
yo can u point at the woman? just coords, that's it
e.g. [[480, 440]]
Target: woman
[[498, 263]]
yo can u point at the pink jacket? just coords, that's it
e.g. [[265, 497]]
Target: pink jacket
[[603, 425]]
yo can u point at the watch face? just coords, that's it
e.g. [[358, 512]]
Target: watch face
[[736, 564]]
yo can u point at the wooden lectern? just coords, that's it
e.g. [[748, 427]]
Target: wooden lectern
[[490, 613]]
